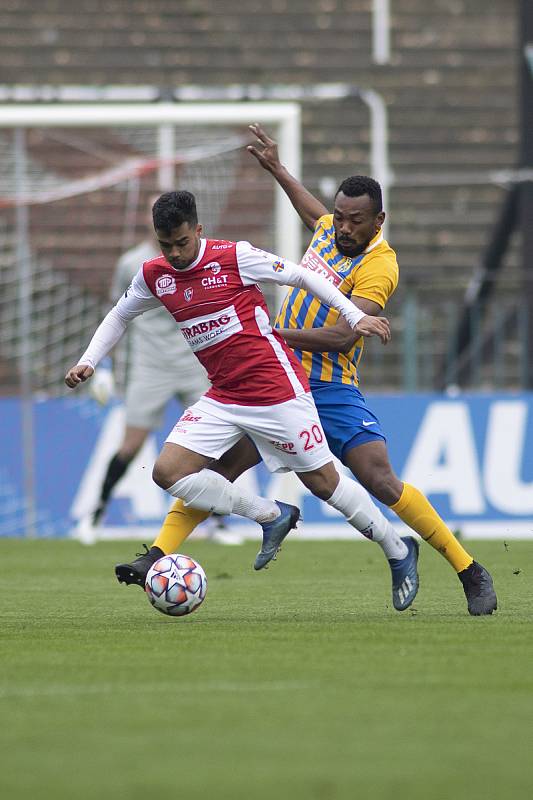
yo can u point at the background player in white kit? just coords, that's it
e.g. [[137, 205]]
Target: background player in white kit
[[155, 347], [258, 389]]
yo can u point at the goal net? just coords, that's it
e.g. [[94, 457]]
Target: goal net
[[74, 198], [75, 187]]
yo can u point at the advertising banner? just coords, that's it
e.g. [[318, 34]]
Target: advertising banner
[[472, 455]]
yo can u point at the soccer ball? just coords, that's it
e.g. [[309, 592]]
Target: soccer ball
[[176, 585]]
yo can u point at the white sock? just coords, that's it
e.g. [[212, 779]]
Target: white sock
[[356, 504], [212, 492]]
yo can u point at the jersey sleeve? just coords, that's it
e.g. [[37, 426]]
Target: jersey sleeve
[[377, 279], [323, 223], [136, 300], [260, 266]]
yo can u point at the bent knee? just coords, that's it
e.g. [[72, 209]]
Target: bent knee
[[321, 483], [165, 474], [325, 489], [385, 487], [160, 475], [127, 454]]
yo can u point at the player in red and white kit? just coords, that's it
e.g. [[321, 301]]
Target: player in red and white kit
[[258, 389]]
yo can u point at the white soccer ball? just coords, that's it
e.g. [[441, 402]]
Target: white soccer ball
[[176, 585]]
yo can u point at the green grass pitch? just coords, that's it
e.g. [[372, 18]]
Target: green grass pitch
[[295, 683]]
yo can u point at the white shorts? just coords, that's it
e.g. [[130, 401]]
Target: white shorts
[[288, 435]]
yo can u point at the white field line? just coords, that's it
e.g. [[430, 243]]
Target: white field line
[[61, 690], [330, 531]]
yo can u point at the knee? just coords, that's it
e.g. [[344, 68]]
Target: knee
[[134, 438], [160, 476], [322, 485], [165, 474], [127, 455], [384, 486]]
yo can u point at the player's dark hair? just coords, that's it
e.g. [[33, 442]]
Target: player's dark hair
[[358, 185], [172, 209]]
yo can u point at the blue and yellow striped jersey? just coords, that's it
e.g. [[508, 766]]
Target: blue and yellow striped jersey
[[372, 275]]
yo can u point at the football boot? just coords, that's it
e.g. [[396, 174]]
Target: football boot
[[274, 533], [405, 575], [479, 590], [137, 571]]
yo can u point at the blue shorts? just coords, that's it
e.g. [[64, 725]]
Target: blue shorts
[[345, 417]]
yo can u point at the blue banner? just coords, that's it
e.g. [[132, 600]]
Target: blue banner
[[471, 455]]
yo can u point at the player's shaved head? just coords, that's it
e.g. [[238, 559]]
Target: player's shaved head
[[172, 209]]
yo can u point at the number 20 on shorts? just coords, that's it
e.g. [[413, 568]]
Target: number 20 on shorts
[[311, 437]]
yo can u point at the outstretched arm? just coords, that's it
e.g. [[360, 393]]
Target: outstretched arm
[[136, 300], [308, 207], [337, 338], [354, 316], [106, 336], [258, 265]]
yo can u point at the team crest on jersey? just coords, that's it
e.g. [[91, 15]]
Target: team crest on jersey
[[187, 294], [278, 266], [214, 266], [165, 284]]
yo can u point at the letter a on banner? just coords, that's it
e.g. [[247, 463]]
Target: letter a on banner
[[443, 458]]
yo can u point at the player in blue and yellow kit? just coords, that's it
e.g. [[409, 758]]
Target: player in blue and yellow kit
[[329, 353], [349, 249]]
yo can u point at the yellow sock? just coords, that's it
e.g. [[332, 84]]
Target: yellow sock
[[179, 523], [417, 512]]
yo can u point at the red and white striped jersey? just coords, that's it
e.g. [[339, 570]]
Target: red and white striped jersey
[[223, 316]]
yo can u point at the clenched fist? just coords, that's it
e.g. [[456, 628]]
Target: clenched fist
[[78, 374]]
